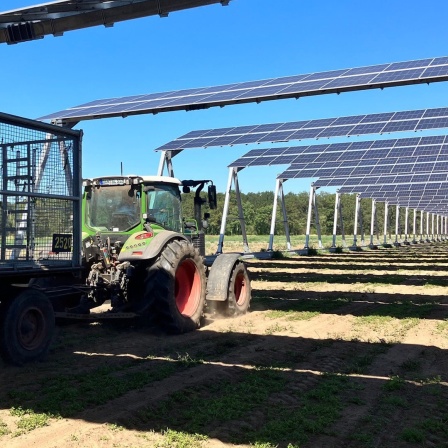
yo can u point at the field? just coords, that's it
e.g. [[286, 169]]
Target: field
[[339, 350]]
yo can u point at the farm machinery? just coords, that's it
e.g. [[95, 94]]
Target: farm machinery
[[118, 244]]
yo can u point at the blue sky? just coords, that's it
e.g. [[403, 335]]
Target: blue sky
[[213, 45]]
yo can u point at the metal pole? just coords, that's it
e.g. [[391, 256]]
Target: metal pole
[[414, 226], [437, 227], [406, 219], [274, 215], [427, 227], [386, 211], [372, 222], [308, 220], [421, 225], [285, 218], [316, 218], [355, 225], [341, 224], [397, 223], [335, 220], [432, 226]]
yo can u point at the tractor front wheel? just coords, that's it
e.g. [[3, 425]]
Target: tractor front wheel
[[239, 295], [175, 285]]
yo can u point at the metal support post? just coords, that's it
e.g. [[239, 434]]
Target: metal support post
[[386, 220], [427, 227], [437, 228], [406, 225], [432, 226], [341, 223], [421, 226], [308, 219], [285, 217], [355, 225], [274, 215], [372, 223], [317, 222], [414, 227], [335, 220], [397, 224]]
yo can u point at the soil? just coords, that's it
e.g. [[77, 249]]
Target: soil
[[377, 319]]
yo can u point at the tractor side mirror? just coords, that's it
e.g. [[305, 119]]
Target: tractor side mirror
[[212, 197]]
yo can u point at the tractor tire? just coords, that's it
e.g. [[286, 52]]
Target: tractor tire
[[27, 328], [175, 286], [239, 296]]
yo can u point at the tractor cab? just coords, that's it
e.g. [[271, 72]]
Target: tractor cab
[[123, 204]]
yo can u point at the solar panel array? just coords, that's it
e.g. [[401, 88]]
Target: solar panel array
[[412, 120], [422, 196], [345, 159], [335, 81], [380, 168]]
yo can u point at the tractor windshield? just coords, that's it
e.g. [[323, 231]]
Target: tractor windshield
[[115, 208], [163, 206]]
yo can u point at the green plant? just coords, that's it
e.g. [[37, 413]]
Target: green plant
[[395, 382], [413, 435]]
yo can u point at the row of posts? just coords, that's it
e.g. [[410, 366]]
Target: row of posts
[[436, 225]]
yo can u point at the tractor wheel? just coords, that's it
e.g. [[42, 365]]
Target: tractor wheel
[[238, 301], [175, 285], [27, 328]]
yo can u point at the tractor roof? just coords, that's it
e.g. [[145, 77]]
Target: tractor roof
[[132, 179]]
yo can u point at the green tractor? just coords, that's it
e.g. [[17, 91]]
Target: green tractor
[[147, 260]]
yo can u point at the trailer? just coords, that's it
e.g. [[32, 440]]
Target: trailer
[[40, 220]]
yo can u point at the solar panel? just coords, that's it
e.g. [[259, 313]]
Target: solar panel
[[57, 17], [335, 81], [398, 179], [310, 129], [425, 151], [422, 196]]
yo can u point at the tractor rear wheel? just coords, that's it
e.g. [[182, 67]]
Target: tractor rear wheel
[[27, 327], [175, 285]]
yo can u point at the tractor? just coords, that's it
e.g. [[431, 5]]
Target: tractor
[[146, 259]]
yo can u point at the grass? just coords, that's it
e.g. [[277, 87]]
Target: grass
[[28, 420], [195, 410], [67, 394]]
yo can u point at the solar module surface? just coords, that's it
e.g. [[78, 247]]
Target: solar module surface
[[335, 81], [419, 154], [388, 122]]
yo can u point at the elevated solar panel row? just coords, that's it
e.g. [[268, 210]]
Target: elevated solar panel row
[[335, 81], [405, 121], [367, 153], [398, 179]]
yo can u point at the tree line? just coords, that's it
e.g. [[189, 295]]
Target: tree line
[[257, 209]]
